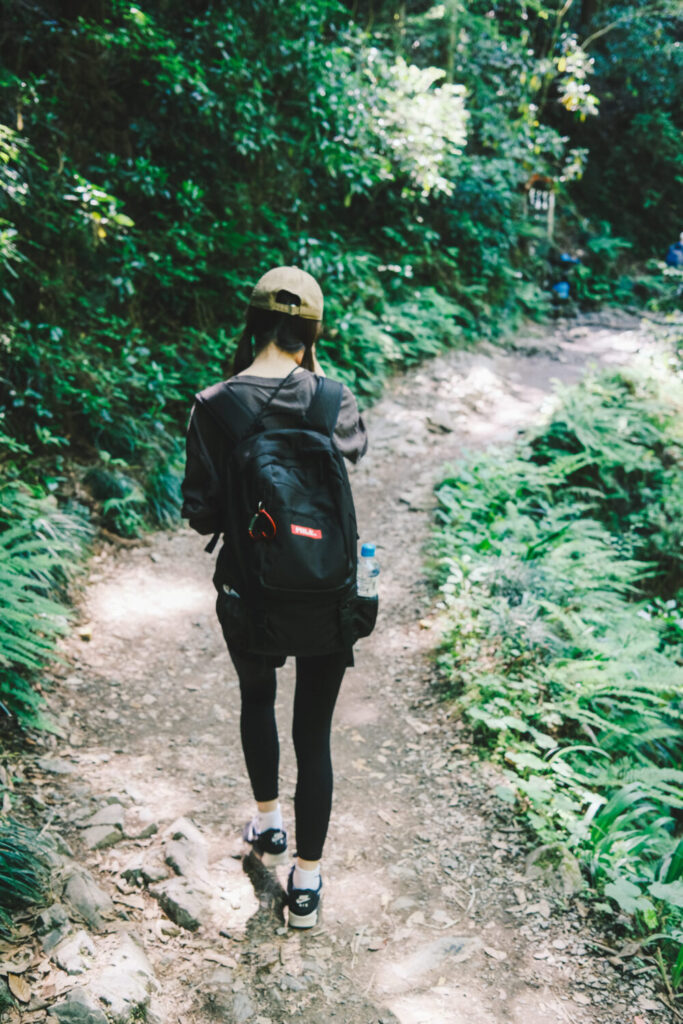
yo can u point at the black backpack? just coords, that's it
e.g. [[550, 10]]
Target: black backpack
[[289, 527]]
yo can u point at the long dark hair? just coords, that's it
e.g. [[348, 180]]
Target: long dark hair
[[290, 333]]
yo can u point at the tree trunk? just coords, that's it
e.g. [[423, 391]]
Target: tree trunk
[[590, 9], [452, 38], [399, 26]]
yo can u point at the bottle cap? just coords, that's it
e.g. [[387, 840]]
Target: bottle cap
[[367, 551]]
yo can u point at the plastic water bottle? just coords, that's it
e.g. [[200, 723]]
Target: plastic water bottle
[[368, 571]]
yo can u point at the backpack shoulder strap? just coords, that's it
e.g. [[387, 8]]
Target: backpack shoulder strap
[[324, 409], [227, 409], [230, 411]]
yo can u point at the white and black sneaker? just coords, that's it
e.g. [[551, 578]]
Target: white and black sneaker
[[270, 846], [303, 904]]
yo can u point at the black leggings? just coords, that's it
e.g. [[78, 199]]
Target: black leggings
[[317, 684]]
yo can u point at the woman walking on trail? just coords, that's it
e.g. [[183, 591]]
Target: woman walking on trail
[[265, 468]]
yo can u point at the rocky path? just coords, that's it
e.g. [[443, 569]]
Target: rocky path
[[435, 909]]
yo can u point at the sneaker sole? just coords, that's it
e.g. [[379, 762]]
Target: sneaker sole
[[271, 860], [303, 921]]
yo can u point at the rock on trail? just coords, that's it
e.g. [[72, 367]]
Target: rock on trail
[[432, 909]]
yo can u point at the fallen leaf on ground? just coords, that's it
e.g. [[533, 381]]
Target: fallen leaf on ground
[[158, 931], [420, 727], [631, 948], [497, 954], [649, 1004], [132, 901], [542, 908], [17, 962], [220, 958], [19, 988]]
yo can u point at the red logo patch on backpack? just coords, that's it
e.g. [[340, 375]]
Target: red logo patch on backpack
[[307, 531]]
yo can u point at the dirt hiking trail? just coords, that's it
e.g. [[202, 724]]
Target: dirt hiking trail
[[435, 910]]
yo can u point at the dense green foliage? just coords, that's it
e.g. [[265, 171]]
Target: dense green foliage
[[561, 575], [155, 159], [634, 172]]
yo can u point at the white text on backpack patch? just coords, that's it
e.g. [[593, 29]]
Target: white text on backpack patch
[[306, 531]]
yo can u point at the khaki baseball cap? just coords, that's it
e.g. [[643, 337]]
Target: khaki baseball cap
[[289, 279]]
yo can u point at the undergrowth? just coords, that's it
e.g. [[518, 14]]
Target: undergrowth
[[24, 870], [40, 546], [561, 578]]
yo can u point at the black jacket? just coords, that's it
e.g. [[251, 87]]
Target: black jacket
[[207, 446]]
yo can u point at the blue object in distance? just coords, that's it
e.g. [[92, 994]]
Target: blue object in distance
[[561, 289]]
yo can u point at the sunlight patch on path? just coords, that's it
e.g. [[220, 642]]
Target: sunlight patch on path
[[133, 604]]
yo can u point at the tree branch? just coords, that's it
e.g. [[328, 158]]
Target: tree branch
[[641, 13], [602, 32]]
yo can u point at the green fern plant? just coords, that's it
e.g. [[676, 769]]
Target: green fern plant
[[24, 870], [547, 557], [38, 548]]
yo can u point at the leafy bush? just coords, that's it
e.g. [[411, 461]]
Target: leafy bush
[[659, 287], [561, 658], [39, 546], [24, 870], [601, 277], [154, 163], [633, 174]]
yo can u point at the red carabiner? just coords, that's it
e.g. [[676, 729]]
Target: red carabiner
[[267, 527]]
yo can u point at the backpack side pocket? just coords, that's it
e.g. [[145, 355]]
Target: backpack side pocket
[[234, 619], [363, 616]]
